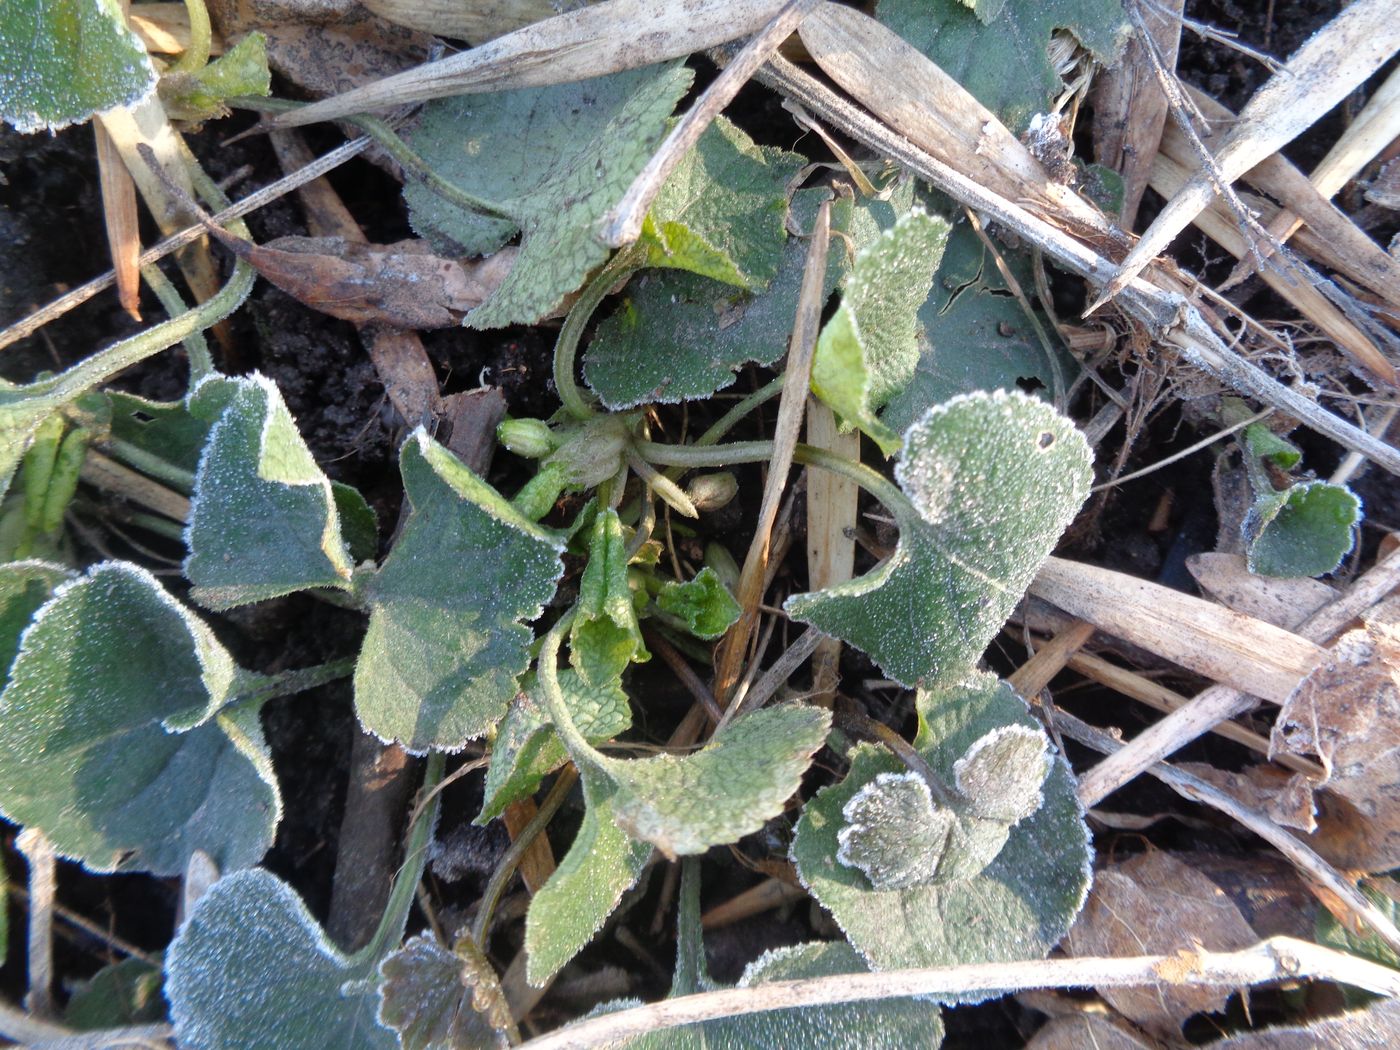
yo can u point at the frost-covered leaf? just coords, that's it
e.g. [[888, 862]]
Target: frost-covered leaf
[[168, 430], [553, 160], [359, 525], [1002, 773], [869, 350], [1306, 530], [1018, 907], [61, 61], [527, 749], [993, 479], [112, 741], [605, 636], [22, 412], [894, 832], [239, 71], [120, 994], [426, 995], [703, 604], [252, 968], [602, 864], [685, 804], [263, 519], [1000, 50], [973, 334], [721, 212], [24, 587], [446, 643]]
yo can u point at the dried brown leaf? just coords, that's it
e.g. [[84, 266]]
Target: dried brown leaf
[[1154, 904], [1375, 1028], [1088, 1030], [1283, 602]]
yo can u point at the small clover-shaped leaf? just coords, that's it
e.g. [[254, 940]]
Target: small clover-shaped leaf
[[252, 968], [869, 349], [551, 161], [606, 637], [703, 604], [993, 479], [720, 213], [61, 61], [1305, 530], [112, 737], [445, 643], [527, 749], [1002, 773], [1016, 905], [263, 520], [685, 804], [894, 831], [427, 995], [602, 864]]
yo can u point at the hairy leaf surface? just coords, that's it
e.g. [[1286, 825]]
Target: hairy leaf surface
[[703, 604], [1306, 530], [24, 587], [426, 995]]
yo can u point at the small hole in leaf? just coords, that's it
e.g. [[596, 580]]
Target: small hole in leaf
[[143, 417], [1029, 384], [1045, 440]]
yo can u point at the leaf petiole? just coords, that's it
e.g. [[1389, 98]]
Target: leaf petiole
[[620, 267]]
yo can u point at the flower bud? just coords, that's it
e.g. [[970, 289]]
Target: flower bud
[[712, 491], [530, 438]]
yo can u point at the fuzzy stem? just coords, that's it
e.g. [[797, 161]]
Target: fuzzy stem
[[201, 363], [299, 680], [196, 56], [619, 268]]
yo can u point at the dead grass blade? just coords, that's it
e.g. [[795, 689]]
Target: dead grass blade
[[123, 223], [590, 42]]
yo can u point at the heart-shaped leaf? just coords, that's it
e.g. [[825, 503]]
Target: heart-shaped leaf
[[993, 480], [446, 644], [895, 833], [1305, 530]]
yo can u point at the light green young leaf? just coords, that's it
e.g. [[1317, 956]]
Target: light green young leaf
[[720, 214], [868, 351], [973, 333], [445, 643], [1018, 907], [120, 994], [426, 995], [704, 604], [685, 804], [263, 518], [605, 636], [109, 738], [61, 61], [602, 864], [553, 160], [1306, 530], [241, 70], [999, 51], [993, 479], [1261, 442], [24, 587], [252, 968], [527, 748]]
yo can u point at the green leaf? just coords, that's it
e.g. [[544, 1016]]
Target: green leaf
[[721, 212], [263, 518], [973, 334], [239, 71], [112, 740], [869, 349], [120, 994], [1366, 944], [1018, 907], [554, 160], [685, 804], [895, 834], [993, 479], [22, 413], [426, 995], [527, 749], [359, 525], [24, 587], [1000, 50], [1305, 530], [1002, 773], [1262, 443], [703, 604], [605, 636], [252, 968], [61, 61], [168, 430], [445, 643], [602, 864]]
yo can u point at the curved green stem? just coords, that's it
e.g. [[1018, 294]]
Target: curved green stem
[[580, 750], [395, 918], [196, 56], [727, 422], [619, 268], [201, 362], [270, 687]]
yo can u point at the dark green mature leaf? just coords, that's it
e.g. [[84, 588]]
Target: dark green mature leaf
[[1000, 51], [553, 160], [703, 604], [426, 996], [112, 740], [973, 334], [1306, 530], [263, 518], [993, 479], [1018, 907], [24, 587], [685, 804], [721, 213], [602, 864], [527, 749], [120, 994], [168, 430], [445, 643], [61, 61], [605, 636], [252, 968], [869, 350]]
